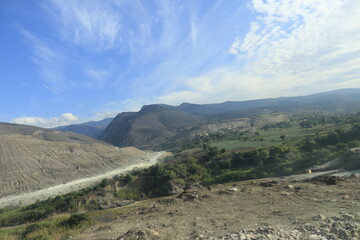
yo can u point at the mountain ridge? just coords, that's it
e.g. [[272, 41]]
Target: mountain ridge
[[126, 130]]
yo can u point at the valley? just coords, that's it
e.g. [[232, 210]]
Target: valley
[[179, 120], [220, 178]]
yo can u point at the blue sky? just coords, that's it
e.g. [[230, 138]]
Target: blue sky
[[70, 61]]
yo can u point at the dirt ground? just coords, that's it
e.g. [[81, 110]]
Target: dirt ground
[[32, 168], [293, 205]]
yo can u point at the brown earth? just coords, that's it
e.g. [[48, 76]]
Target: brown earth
[[280, 208], [34, 158]]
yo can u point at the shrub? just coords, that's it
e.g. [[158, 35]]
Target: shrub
[[129, 178], [231, 176], [31, 228], [129, 193], [76, 220], [105, 182]]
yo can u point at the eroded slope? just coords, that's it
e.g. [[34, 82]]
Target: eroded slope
[[35, 158]]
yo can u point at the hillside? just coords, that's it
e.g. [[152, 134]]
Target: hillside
[[151, 126], [44, 134], [344, 100], [92, 129], [161, 126], [34, 158], [261, 209], [257, 192]]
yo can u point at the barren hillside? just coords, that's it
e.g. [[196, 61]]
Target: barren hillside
[[34, 158]]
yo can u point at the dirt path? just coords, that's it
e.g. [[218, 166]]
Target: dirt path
[[29, 198]]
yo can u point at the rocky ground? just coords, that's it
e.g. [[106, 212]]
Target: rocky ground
[[313, 207]]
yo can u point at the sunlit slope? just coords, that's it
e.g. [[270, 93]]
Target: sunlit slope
[[29, 162]]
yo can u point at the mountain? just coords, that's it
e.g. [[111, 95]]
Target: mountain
[[152, 125], [92, 129], [343, 100], [161, 124], [33, 158]]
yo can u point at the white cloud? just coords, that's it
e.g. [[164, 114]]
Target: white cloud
[[94, 24], [113, 108], [220, 85], [49, 62], [64, 119], [103, 115], [292, 48]]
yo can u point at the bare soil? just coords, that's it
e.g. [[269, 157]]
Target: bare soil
[[34, 159], [281, 208]]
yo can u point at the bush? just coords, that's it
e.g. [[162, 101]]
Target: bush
[[34, 215], [129, 193], [30, 229], [231, 176], [129, 178], [105, 182], [76, 220]]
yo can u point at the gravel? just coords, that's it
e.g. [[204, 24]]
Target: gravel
[[345, 227]]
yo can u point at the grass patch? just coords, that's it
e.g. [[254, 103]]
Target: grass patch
[[57, 227]]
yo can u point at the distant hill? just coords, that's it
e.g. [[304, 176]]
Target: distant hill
[[151, 126], [344, 100], [161, 124], [92, 129], [33, 158]]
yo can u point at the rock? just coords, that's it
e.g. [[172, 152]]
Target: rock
[[348, 217], [233, 189], [345, 196], [268, 184], [188, 196], [139, 234], [319, 217], [345, 227]]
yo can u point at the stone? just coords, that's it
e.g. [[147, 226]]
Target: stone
[[319, 217], [345, 196]]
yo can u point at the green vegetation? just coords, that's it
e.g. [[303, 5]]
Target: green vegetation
[[299, 125], [129, 193], [76, 220], [274, 150], [59, 227]]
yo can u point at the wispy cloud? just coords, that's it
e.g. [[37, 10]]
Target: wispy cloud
[[98, 77], [93, 24], [48, 61], [64, 119], [291, 48], [130, 53]]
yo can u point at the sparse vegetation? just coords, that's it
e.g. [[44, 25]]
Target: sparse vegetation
[[76, 220], [207, 165]]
